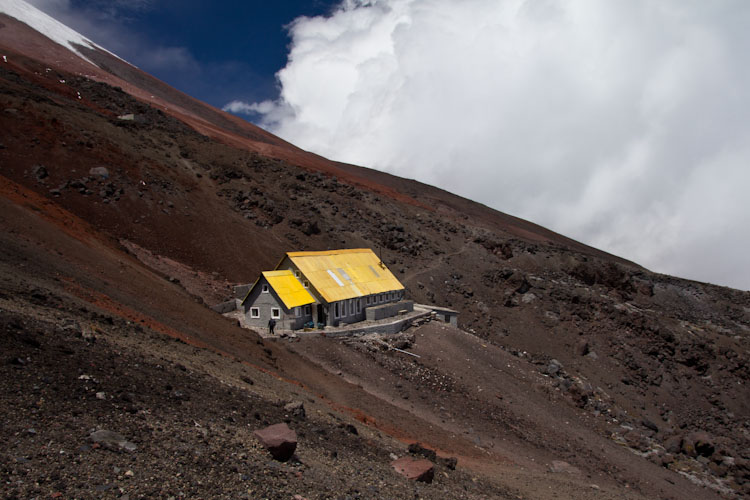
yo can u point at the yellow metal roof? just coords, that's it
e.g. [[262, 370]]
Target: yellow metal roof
[[345, 274], [288, 288]]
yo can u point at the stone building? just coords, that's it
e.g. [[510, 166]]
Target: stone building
[[324, 288]]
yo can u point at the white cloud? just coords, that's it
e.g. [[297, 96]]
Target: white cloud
[[241, 107], [623, 124]]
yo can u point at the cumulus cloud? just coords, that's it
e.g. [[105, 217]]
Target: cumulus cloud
[[240, 107], [625, 125]]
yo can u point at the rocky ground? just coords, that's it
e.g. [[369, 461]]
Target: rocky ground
[[575, 373], [70, 371]]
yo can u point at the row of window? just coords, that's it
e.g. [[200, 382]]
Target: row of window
[[383, 297], [340, 308]]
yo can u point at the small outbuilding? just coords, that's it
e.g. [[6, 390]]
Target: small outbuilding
[[280, 296]]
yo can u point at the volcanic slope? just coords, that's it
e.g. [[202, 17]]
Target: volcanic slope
[[636, 380]]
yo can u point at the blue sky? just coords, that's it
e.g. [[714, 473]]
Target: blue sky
[[216, 51]]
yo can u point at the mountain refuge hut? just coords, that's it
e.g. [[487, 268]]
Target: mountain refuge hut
[[324, 288]]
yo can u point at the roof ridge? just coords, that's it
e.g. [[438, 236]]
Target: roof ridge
[[276, 272], [328, 252]]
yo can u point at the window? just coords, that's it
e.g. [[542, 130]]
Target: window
[[264, 288], [297, 274], [336, 310], [297, 312], [308, 310], [306, 284], [343, 308], [254, 312], [368, 300], [359, 305], [275, 313], [351, 306]]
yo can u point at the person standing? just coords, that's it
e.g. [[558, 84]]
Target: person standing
[[271, 325]]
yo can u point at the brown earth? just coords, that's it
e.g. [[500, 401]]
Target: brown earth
[[575, 374]]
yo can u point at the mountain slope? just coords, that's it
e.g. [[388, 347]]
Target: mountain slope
[[143, 220]]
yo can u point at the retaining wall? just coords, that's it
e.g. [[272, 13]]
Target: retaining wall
[[225, 307], [375, 313]]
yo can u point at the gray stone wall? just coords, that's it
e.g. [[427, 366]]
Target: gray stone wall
[[267, 301], [225, 307], [387, 310]]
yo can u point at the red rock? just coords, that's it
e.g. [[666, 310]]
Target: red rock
[[416, 470], [279, 440]]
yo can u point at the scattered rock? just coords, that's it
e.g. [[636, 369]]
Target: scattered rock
[[528, 298], [40, 172], [112, 440], [352, 429], [673, 445], [416, 470], [560, 466], [418, 449], [582, 348], [648, 424], [102, 172], [703, 444], [449, 462], [279, 440], [295, 409], [553, 368], [637, 441]]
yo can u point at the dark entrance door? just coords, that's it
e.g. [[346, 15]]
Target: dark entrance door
[[321, 315]]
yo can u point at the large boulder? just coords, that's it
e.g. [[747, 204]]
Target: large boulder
[[416, 470], [697, 444], [279, 440], [673, 445], [703, 443]]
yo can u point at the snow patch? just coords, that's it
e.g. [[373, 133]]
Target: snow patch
[[49, 27]]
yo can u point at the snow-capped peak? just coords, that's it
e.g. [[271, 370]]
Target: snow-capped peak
[[48, 26]]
